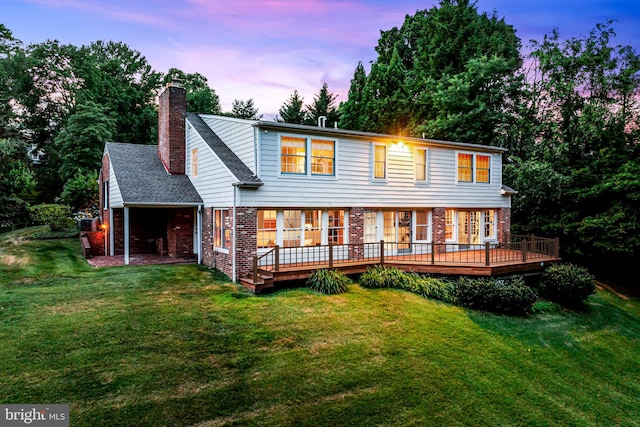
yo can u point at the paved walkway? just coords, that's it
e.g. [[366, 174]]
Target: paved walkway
[[137, 259]]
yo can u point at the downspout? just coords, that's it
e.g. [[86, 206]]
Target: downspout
[[233, 238], [111, 233], [199, 227]]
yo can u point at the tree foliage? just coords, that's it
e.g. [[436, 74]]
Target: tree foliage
[[200, 97], [323, 105], [292, 111], [244, 110]]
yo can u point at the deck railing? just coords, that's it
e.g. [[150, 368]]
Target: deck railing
[[517, 249]]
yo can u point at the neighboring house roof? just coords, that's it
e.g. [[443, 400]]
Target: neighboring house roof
[[143, 179], [374, 136], [243, 174]]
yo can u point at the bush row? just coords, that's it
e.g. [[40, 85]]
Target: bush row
[[562, 284]]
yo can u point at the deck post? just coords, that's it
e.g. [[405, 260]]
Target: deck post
[[277, 266], [433, 252], [524, 245], [556, 247], [381, 252], [486, 254], [330, 255], [255, 268]]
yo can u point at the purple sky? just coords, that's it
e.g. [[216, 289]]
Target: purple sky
[[266, 49]]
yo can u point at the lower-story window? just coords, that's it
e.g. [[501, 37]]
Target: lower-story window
[[223, 224], [291, 228], [267, 228], [336, 227]]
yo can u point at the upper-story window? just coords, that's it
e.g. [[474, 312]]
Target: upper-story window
[[420, 164], [194, 162], [474, 167], [379, 161], [295, 159]]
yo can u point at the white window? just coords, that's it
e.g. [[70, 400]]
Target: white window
[[105, 195], [379, 161], [295, 159], [450, 225], [423, 226], [474, 168], [336, 227], [267, 228], [489, 224], [194, 162], [370, 227], [420, 164], [292, 232], [222, 225]]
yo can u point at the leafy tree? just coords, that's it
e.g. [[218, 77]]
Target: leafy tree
[[200, 98], [81, 142], [292, 110], [8, 48], [81, 191], [16, 180], [323, 105], [244, 110]]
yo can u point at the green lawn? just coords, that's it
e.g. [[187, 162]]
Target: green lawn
[[179, 345]]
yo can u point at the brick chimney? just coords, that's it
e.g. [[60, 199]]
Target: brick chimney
[[171, 127]]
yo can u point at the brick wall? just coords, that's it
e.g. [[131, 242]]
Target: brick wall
[[246, 239], [439, 226], [172, 107], [96, 240], [118, 231], [504, 224], [356, 233], [104, 213], [208, 255], [180, 233]]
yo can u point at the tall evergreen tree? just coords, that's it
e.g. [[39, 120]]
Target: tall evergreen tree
[[292, 110], [352, 111], [324, 104], [244, 110]]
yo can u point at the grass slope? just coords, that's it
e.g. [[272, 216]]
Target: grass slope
[[178, 345]]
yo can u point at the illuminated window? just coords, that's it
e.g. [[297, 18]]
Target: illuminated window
[[421, 164], [465, 167], [483, 168], [489, 224], [379, 162], [267, 228], [474, 168], [370, 226], [322, 157], [336, 226], [292, 228], [422, 226], [312, 228], [222, 229], [449, 223], [194, 162], [293, 158]]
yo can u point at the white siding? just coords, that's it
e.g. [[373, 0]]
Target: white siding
[[353, 184], [237, 134], [214, 181], [115, 196]]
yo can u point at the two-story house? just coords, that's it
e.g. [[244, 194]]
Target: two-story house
[[226, 191]]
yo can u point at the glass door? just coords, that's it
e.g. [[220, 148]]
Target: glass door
[[469, 228], [404, 231]]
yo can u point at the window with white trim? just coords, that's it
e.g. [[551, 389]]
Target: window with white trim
[[295, 158], [379, 161], [489, 224], [222, 225], [450, 224], [312, 227], [336, 226], [194, 162], [474, 168], [105, 195], [420, 164], [370, 226], [292, 231], [423, 226], [267, 228]]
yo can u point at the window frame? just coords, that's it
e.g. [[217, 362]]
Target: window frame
[[375, 162], [194, 162], [428, 225], [105, 195], [473, 169], [221, 229], [309, 157], [424, 168]]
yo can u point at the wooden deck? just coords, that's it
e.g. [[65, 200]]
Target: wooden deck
[[522, 256]]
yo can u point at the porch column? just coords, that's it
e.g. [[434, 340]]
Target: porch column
[[111, 234], [126, 235]]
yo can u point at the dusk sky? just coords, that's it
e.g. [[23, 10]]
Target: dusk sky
[[266, 49]]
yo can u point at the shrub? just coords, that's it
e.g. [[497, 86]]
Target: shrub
[[328, 281], [499, 295], [81, 191], [391, 277], [567, 284], [57, 217]]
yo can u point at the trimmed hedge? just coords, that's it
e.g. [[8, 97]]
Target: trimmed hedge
[[57, 217], [567, 284], [328, 281], [504, 296]]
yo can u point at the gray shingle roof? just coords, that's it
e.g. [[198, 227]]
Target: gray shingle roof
[[243, 174], [142, 178]]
